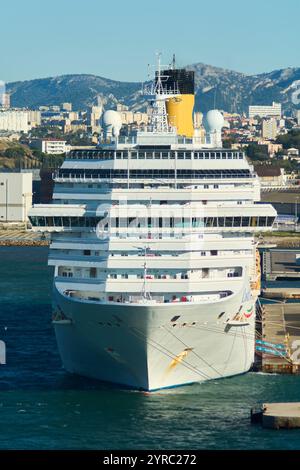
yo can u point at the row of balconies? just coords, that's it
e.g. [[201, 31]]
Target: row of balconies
[[156, 286]]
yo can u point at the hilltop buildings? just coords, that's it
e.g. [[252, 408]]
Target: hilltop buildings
[[269, 129], [14, 120], [265, 111]]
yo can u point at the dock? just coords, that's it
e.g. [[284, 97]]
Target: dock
[[281, 325], [281, 293], [277, 415]]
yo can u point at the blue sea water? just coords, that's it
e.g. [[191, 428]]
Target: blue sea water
[[43, 407]]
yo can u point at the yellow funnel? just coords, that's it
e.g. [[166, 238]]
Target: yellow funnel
[[180, 113]]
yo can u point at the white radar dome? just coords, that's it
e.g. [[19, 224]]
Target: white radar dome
[[112, 121], [214, 120]]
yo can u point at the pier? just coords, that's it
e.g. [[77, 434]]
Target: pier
[[277, 415], [281, 293], [281, 325]]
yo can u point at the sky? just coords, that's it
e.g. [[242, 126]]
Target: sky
[[117, 39]]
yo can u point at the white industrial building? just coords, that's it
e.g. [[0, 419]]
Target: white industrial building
[[265, 111], [51, 146], [14, 120], [15, 196]]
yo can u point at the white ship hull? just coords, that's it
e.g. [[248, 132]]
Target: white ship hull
[[141, 347]]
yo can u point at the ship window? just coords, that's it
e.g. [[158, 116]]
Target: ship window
[[216, 186], [213, 156], [245, 221], [205, 272], [209, 221], [134, 155], [203, 253], [149, 155], [172, 155], [201, 155], [228, 221], [165, 155], [214, 252], [87, 252], [206, 156], [142, 156], [93, 272], [180, 155], [236, 221], [157, 155], [196, 156], [218, 155], [262, 221], [206, 186], [235, 155], [188, 155], [224, 156], [230, 155], [119, 155], [271, 221]]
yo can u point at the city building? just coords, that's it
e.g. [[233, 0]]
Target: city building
[[66, 107], [15, 196], [5, 100], [14, 120], [269, 129], [93, 118], [293, 154], [265, 111], [198, 117], [34, 118], [51, 146], [270, 176]]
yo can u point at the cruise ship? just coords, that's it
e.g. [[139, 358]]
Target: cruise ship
[[156, 268]]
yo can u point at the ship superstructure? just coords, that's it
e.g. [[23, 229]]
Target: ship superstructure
[[156, 273]]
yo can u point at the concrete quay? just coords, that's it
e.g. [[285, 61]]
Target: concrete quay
[[281, 325], [277, 415], [281, 293]]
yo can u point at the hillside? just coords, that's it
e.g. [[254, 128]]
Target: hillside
[[215, 87]]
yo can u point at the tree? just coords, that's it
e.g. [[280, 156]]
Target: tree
[[15, 152], [257, 152]]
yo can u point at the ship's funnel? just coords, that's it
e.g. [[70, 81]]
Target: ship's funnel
[[180, 106]]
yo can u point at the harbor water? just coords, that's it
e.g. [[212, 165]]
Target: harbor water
[[43, 407]]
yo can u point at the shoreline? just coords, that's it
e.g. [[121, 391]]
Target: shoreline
[[24, 243]]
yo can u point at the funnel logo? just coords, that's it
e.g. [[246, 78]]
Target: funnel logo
[[2, 352], [296, 92]]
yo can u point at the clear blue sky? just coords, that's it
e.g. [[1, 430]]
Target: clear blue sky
[[117, 39]]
